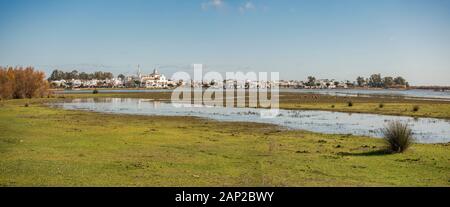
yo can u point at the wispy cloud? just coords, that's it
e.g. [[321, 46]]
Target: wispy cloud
[[240, 6], [246, 7], [216, 4]]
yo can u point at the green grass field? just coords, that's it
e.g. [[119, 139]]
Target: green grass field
[[42, 146]]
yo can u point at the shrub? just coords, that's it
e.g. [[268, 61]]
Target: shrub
[[350, 103], [381, 105], [26, 105], [398, 136], [416, 108], [22, 82], [95, 91], [332, 106]]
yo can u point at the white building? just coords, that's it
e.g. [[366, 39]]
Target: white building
[[154, 80]]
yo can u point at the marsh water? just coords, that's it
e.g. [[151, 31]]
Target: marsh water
[[419, 94], [426, 130], [411, 94]]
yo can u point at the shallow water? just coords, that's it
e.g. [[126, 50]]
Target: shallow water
[[413, 94], [426, 130]]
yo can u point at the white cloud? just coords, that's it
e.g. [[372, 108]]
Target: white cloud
[[246, 7], [249, 5], [217, 4], [241, 6]]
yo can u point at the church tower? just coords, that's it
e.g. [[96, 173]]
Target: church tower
[[139, 72]]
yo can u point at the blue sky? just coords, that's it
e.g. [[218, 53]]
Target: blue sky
[[339, 39]]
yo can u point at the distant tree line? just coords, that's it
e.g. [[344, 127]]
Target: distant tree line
[[19, 82], [377, 81], [61, 75]]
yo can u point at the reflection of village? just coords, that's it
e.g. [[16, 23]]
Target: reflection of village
[[158, 80]]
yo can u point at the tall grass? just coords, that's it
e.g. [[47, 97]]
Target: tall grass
[[398, 136]]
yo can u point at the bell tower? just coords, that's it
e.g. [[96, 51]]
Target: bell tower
[[139, 72]]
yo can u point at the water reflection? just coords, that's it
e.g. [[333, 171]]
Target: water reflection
[[426, 130]]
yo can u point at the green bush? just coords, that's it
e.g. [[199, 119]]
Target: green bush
[[381, 105], [416, 108], [95, 91], [350, 103], [398, 136]]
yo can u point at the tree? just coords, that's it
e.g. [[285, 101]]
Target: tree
[[22, 83], [60, 75], [361, 81], [121, 77], [73, 74], [388, 81], [56, 75], [349, 83], [400, 81], [6, 83], [107, 75], [83, 76], [375, 80], [98, 75], [311, 80]]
